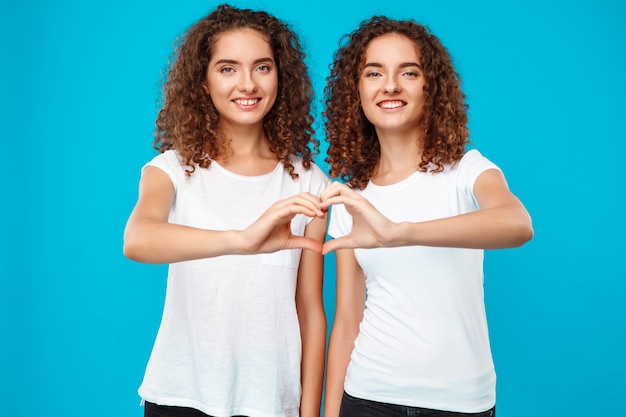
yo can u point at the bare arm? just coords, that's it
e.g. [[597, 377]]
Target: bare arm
[[348, 316], [149, 237], [501, 222], [312, 322]]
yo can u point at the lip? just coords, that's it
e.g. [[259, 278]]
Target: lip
[[391, 104]]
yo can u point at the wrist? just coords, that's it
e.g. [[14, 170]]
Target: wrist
[[401, 234], [235, 242]]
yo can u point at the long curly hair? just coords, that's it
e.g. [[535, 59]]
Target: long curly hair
[[188, 120], [354, 149]]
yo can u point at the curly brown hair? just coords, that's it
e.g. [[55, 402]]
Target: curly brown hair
[[353, 149], [188, 120]]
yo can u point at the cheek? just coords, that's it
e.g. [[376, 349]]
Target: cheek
[[365, 97], [212, 88], [272, 86], [369, 110], [362, 92], [273, 90]]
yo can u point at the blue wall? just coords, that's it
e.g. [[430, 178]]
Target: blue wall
[[78, 92]]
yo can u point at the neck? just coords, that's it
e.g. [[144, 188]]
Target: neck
[[250, 152], [247, 140], [400, 155]]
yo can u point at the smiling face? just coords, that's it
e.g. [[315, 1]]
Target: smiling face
[[391, 85], [242, 78]]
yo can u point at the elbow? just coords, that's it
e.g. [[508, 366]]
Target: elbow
[[524, 231], [525, 235], [130, 251], [133, 248]]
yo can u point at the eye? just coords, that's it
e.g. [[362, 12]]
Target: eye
[[227, 70], [412, 73], [372, 74], [263, 68]]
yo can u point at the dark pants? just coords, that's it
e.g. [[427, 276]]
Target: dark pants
[[356, 407], [154, 410]]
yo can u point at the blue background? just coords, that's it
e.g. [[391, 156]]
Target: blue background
[[79, 90]]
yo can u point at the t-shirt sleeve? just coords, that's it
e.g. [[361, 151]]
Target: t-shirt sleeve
[[319, 180], [169, 163], [470, 167], [340, 223], [317, 183]]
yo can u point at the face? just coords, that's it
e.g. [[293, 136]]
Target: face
[[391, 85], [242, 78]]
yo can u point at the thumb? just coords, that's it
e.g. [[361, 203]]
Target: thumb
[[305, 243], [333, 244]]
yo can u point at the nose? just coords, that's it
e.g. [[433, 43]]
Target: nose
[[391, 85], [247, 84]]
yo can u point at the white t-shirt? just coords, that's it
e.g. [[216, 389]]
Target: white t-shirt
[[423, 341], [229, 340]]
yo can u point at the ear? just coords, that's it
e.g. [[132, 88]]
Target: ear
[[205, 87]]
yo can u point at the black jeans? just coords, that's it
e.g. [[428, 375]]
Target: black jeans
[[154, 410], [356, 407]]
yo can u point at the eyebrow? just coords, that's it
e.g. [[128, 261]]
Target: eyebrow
[[233, 61], [403, 65]]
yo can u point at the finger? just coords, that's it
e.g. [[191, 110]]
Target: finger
[[311, 201], [340, 191], [286, 210], [300, 197], [307, 208], [348, 201], [306, 200], [333, 189], [309, 196]]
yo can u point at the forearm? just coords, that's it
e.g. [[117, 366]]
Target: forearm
[[312, 318], [339, 351], [350, 306], [494, 228], [313, 333], [151, 241]]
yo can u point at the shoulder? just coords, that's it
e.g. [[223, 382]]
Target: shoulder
[[473, 160], [168, 157], [170, 162], [471, 166], [472, 155]]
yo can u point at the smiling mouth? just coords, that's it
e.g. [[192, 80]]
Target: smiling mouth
[[392, 104], [246, 101]]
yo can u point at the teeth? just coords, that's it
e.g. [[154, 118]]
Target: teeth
[[391, 104], [246, 102]]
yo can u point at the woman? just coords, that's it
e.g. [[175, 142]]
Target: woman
[[409, 231], [229, 203]]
